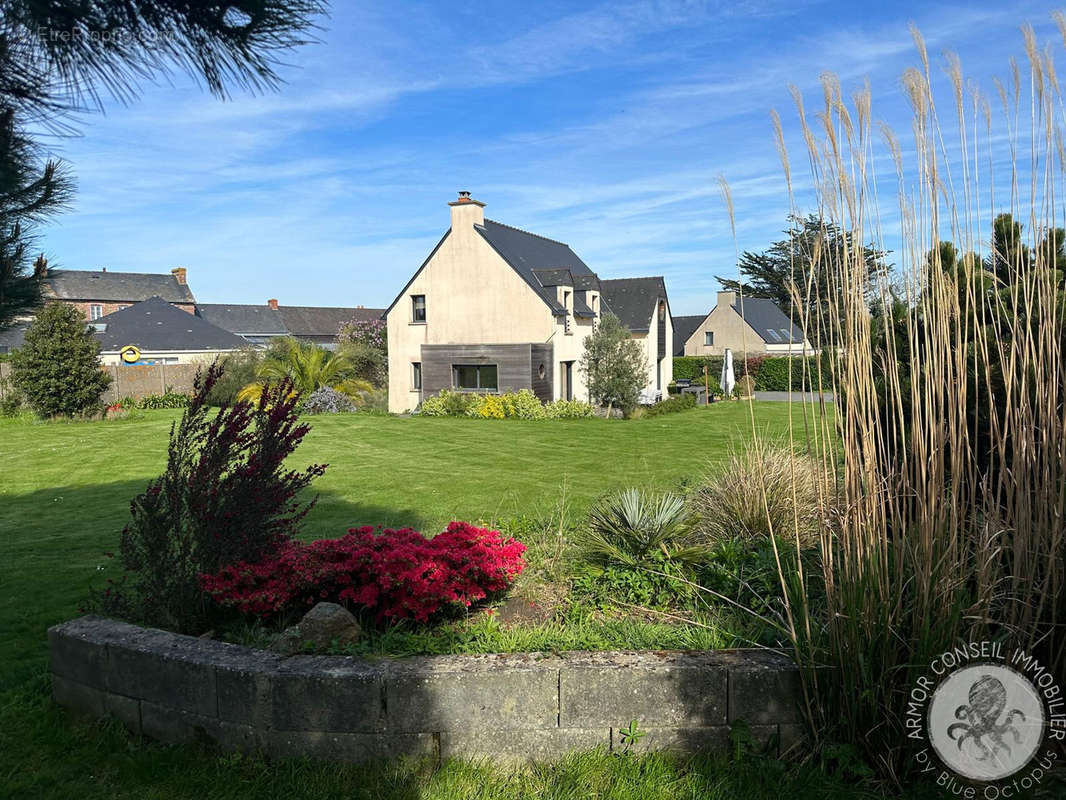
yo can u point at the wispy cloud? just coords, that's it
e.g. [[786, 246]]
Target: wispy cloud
[[603, 125]]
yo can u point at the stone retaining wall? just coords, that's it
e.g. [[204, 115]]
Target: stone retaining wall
[[179, 688]]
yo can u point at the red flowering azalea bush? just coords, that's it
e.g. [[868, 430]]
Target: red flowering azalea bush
[[396, 574]]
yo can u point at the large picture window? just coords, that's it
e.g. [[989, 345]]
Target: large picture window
[[475, 377]]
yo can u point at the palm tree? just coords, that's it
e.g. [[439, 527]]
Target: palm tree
[[309, 367]]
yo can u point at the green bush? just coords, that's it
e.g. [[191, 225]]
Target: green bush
[[568, 409], [57, 370], [522, 404], [239, 369], [771, 373], [449, 404], [609, 587], [679, 402], [11, 404], [168, 400]]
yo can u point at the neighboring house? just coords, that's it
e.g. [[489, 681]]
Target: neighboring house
[[99, 292], [495, 309], [750, 325], [259, 324], [642, 306], [162, 333]]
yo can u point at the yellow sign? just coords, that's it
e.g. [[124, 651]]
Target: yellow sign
[[130, 354]]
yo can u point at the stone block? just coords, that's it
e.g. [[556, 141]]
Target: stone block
[[515, 746], [765, 694], [664, 690], [126, 710], [244, 685], [166, 669], [793, 738], [328, 693], [713, 739], [350, 747], [169, 725], [77, 654], [79, 698], [492, 692]]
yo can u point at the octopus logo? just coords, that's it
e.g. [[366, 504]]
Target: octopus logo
[[986, 721]]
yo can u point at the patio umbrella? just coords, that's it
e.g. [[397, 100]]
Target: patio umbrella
[[728, 380]]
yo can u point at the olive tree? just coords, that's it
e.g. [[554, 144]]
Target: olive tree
[[614, 365]]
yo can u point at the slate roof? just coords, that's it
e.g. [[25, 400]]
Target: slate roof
[[323, 321], [243, 319], [684, 327], [538, 259], [769, 321], [118, 287], [156, 326], [317, 322], [12, 338], [632, 300]]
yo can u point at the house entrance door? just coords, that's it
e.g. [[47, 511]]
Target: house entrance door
[[566, 380]]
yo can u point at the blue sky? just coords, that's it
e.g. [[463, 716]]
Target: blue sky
[[602, 125]]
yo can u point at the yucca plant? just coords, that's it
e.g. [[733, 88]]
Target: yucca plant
[[630, 528], [949, 455]]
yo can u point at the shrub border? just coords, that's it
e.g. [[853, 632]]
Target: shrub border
[[175, 688]]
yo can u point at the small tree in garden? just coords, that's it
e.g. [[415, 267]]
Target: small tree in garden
[[225, 497], [614, 365], [57, 369]]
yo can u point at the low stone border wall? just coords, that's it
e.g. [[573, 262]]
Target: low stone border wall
[[518, 706]]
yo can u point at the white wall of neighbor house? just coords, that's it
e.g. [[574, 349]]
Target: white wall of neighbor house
[[472, 296], [731, 331], [658, 374], [113, 358]]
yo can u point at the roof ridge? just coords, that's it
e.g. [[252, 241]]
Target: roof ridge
[[638, 278], [528, 233], [115, 272]]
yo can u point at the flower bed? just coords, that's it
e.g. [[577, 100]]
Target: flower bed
[[395, 574]]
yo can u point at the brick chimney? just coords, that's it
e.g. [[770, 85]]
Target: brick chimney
[[179, 274], [273, 303], [466, 212]]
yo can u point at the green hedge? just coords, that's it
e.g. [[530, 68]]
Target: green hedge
[[771, 373], [680, 402]]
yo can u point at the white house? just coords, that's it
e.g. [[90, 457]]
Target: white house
[[496, 309]]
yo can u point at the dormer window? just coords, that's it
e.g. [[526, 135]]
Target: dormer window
[[418, 308]]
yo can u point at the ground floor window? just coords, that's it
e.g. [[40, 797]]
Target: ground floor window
[[475, 377], [416, 375]]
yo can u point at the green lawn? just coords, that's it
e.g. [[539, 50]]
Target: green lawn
[[63, 500]]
